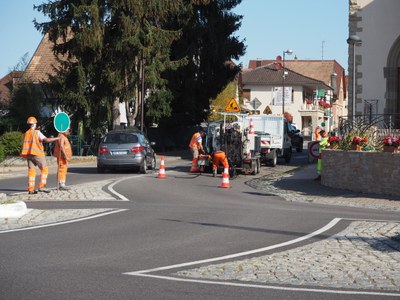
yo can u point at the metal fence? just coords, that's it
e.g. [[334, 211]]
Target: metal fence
[[381, 125]]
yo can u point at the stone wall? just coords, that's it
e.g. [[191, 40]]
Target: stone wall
[[361, 171]]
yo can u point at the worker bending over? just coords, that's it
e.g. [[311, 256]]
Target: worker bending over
[[196, 146], [219, 157]]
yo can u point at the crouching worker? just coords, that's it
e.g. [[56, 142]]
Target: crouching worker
[[63, 152], [196, 146], [33, 152], [219, 157]]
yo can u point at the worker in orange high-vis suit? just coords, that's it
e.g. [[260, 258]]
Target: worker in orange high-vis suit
[[63, 152], [33, 151], [219, 157], [196, 145]]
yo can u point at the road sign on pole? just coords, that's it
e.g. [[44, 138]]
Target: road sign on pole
[[232, 106], [61, 122], [255, 103]]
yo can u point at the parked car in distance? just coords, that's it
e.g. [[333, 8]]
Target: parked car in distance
[[296, 138], [126, 148]]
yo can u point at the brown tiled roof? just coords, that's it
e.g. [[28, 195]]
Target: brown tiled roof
[[43, 62], [270, 75], [6, 85], [317, 69]]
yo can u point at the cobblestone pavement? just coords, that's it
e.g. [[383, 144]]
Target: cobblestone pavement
[[365, 256]]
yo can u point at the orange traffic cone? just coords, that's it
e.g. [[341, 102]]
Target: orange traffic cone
[[161, 172], [251, 126], [225, 179]]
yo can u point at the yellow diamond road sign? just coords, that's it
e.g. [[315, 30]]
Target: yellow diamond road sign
[[232, 106]]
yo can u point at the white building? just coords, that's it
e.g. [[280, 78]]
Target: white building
[[308, 100]]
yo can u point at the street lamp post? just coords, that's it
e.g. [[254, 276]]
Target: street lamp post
[[288, 52], [354, 40]]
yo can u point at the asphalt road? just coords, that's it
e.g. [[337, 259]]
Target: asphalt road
[[181, 219]]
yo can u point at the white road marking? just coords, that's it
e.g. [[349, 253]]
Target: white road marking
[[235, 255], [271, 287], [66, 222], [143, 273]]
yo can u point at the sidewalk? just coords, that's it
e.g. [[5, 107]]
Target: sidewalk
[[298, 184]]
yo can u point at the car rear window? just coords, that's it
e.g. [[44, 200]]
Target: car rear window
[[120, 138]]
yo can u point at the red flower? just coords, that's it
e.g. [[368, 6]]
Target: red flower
[[334, 139], [391, 141], [358, 140]]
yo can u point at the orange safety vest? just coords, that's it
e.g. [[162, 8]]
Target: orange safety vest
[[32, 145], [67, 148], [194, 142]]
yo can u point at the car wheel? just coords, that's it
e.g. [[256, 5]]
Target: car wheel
[[143, 167], [300, 146], [153, 163], [288, 154]]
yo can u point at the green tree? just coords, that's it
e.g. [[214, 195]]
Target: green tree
[[209, 44], [26, 101], [108, 43]]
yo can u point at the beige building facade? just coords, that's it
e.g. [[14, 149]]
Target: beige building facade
[[374, 61]]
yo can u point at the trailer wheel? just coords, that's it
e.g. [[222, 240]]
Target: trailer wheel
[[274, 159], [258, 165]]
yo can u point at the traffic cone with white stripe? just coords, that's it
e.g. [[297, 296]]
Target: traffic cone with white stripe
[[161, 171], [251, 126], [225, 179]]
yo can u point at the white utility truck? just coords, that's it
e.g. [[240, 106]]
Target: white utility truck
[[274, 134]]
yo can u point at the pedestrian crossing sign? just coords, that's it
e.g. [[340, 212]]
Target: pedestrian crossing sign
[[232, 106]]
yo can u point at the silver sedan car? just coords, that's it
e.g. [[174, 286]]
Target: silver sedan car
[[127, 148]]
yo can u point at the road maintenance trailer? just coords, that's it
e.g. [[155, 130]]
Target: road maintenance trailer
[[241, 147]]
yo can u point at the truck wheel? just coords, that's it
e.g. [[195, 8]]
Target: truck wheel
[[288, 154]]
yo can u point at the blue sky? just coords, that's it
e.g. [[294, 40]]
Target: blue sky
[[313, 29]]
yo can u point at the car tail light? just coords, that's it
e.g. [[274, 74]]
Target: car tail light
[[103, 150], [137, 149], [264, 150]]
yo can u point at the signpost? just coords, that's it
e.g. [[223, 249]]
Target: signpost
[[232, 106], [61, 122], [255, 103]]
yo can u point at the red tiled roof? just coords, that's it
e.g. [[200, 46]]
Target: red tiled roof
[[269, 75], [6, 85]]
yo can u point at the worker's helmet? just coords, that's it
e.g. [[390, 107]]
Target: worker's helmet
[[31, 120]]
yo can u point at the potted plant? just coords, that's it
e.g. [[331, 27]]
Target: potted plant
[[391, 144], [358, 142], [334, 142]]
